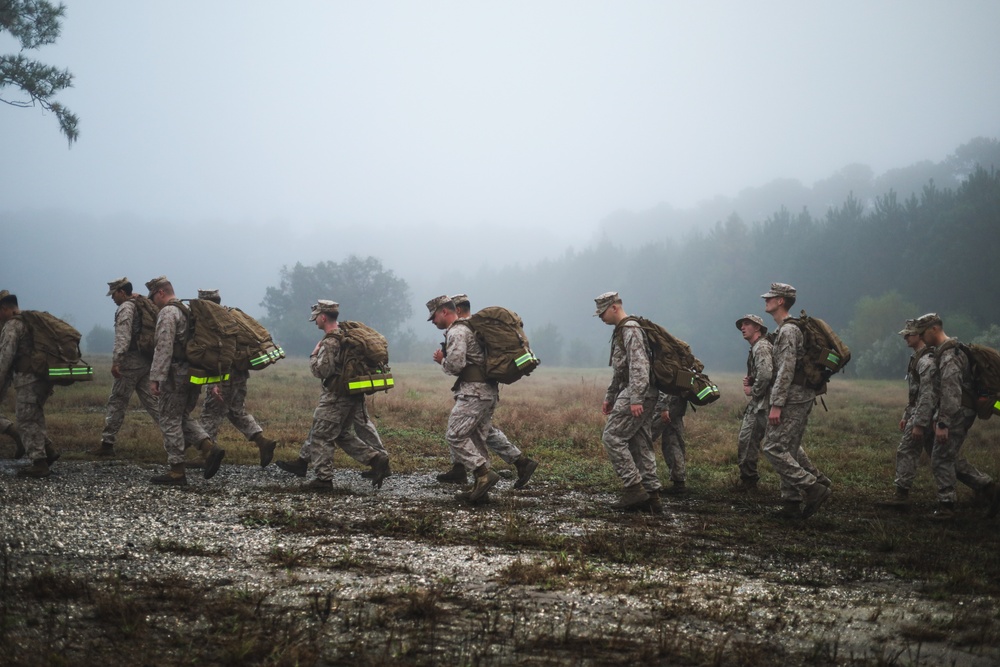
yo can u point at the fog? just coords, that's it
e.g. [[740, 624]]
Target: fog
[[220, 141]]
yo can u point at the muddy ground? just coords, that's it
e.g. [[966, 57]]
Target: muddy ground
[[99, 567]]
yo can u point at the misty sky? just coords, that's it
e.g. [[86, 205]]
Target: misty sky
[[525, 115]]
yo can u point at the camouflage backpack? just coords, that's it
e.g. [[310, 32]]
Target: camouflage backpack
[[255, 349], [144, 325], [825, 354], [212, 333], [54, 350], [984, 364], [500, 332], [364, 361], [674, 367]]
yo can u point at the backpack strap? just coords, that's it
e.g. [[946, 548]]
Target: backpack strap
[[179, 348], [471, 372]]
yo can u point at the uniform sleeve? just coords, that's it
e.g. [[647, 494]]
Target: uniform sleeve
[[124, 317], [763, 364], [638, 363], [950, 401], [323, 362], [9, 337], [927, 398], [167, 323], [456, 350], [784, 358]]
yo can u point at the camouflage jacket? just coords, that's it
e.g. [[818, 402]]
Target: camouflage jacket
[[324, 364], [461, 349], [13, 341], [125, 354], [954, 376], [922, 382], [171, 331], [630, 367], [789, 348], [760, 369]]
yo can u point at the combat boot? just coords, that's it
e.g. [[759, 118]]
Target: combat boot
[[746, 485], [51, 455], [655, 505], [525, 469], [676, 489], [173, 477], [824, 480], [633, 496], [317, 484], [454, 476], [900, 500], [380, 469], [212, 455], [19, 451], [790, 509], [105, 449], [266, 447], [297, 467], [486, 479], [38, 469], [815, 496]]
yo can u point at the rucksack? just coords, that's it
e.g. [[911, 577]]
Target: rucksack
[[255, 349], [54, 353], [825, 354], [210, 349], [364, 361], [500, 332], [144, 324], [984, 364], [674, 367]]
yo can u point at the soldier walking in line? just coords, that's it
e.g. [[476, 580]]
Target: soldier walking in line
[[129, 365], [668, 423], [757, 387]]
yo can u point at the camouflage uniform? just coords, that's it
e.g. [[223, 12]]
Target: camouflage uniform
[[783, 443], [231, 407], [470, 421], [333, 416], [178, 396], [628, 439], [133, 369], [364, 428], [760, 369], [31, 391], [947, 463], [922, 380], [673, 446]]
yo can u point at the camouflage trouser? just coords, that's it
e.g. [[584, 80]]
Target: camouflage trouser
[[329, 429], [949, 466], [783, 449], [469, 425], [178, 397], [498, 443], [748, 445], [628, 442], [364, 428], [673, 446], [30, 414], [231, 407], [132, 380], [5, 424], [908, 454]]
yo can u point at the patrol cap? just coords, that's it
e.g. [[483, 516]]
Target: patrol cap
[[460, 299], [779, 289], [925, 322], [437, 302], [752, 318], [324, 307], [605, 301], [210, 295], [116, 285], [909, 328], [156, 284], [4, 294]]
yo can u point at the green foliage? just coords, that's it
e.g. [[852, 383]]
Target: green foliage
[[365, 291], [35, 23], [989, 337], [885, 358], [547, 344], [100, 340], [874, 316]]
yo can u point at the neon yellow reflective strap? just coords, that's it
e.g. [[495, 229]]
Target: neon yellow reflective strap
[[360, 384], [211, 379], [833, 358], [706, 391], [996, 406], [524, 358], [71, 371]]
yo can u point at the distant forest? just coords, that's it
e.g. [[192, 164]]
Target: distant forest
[[867, 264]]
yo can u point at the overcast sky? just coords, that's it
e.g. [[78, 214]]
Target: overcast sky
[[522, 115]]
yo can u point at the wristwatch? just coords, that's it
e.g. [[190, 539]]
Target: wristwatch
[[942, 426]]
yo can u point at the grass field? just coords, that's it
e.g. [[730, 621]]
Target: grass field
[[557, 538]]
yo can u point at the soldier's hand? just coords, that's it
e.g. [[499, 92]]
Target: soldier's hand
[[941, 434], [917, 432], [665, 416], [438, 356], [606, 408], [902, 425], [115, 372], [154, 387], [774, 417], [636, 410], [746, 389]]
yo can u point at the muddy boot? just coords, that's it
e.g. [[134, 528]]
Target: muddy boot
[[790, 509], [18, 443], [944, 512], [317, 484], [51, 455], [38, 469], [454, 476], [676, 489], [746, 485], [655, 505], [266, 447], [815, 496], [525, 469], [900, 500], [380, 470], [633, 496], [486, 479], [173, 477], [104, 450], [212, 455], [465, 495], [297, 467], [824, 480]]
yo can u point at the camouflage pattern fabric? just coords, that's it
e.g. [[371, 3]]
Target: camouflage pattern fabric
[[133, 368], [30, 391], [760, 370], [673, 445], [470, 421], [922, 381], [231, 407], [788, 350]]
